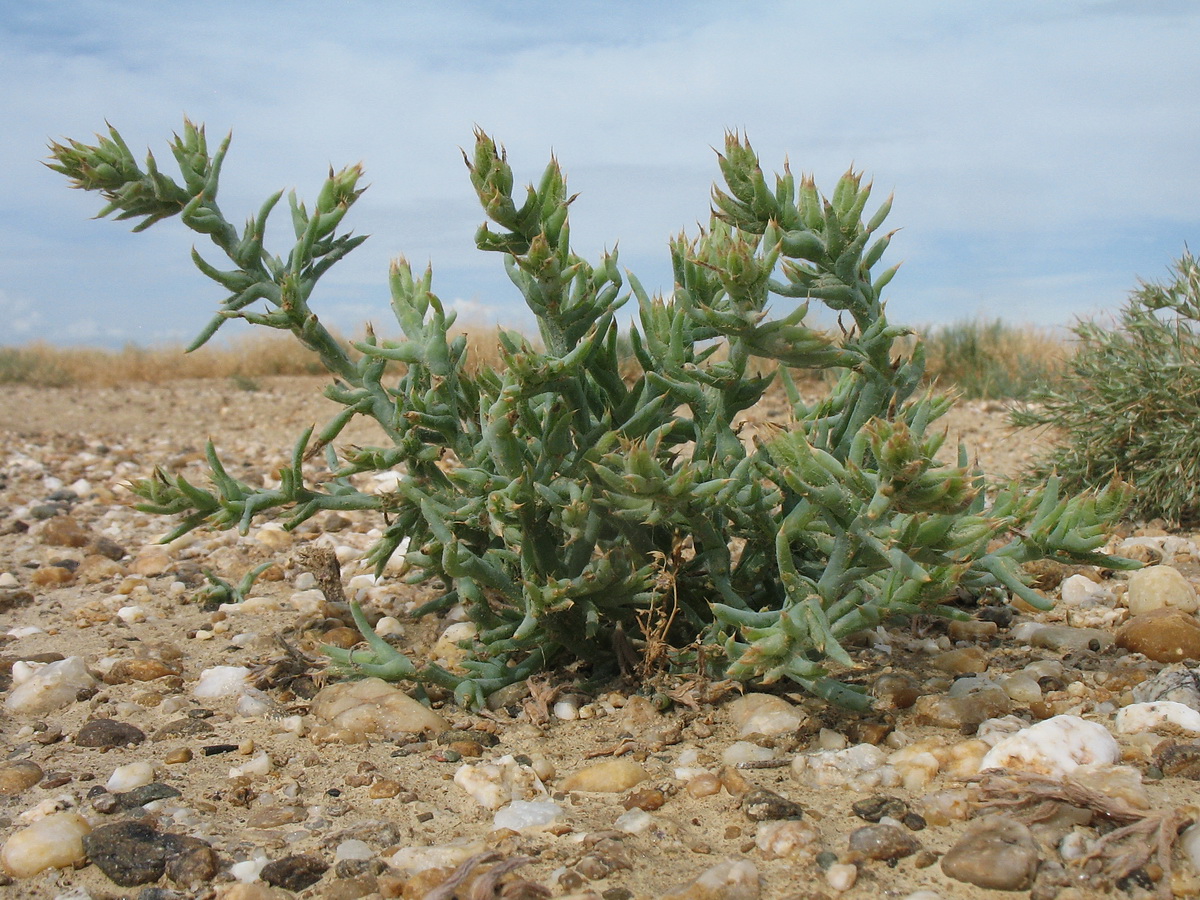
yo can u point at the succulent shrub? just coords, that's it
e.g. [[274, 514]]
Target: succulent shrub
[[575, 507], [1129, 401]]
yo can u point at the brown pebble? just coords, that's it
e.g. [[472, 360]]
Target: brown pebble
[[49, 576], [967, 661], [275, 815], [649, 799], [466, 748], [733, 781], [17, 776], [1179, 760], [704, 785], [63, 531], [1165, 635], [175, 757], [761, 805], [127, 670], [895, 691], [342, 637], [384, 788]]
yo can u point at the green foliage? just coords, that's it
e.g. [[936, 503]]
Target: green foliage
[[564, 504], [1130, 401]]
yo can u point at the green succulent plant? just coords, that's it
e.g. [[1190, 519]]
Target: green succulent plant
[[568, 505]]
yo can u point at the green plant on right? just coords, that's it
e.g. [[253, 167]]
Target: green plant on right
[[1129, 401]]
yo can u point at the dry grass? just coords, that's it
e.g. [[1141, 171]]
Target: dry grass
[[980, 359], [994, 360]]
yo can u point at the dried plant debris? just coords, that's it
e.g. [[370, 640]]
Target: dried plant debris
[[1136, 837]]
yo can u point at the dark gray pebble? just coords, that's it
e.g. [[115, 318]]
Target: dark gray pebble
[[294, 873], [108, 548], [762, 805], [147, 793], [104, 734], [132, 853], [875, 808]]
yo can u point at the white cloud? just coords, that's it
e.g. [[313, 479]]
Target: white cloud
[[994, 124]]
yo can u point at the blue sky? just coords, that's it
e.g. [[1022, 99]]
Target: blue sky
[[1044, 155]]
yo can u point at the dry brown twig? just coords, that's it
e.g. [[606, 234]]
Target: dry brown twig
[[1153, 834]]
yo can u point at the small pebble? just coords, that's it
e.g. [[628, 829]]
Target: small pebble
[[18, 775], [104, 734], [841, 876], [54, 842], [757, 713], [996, 852], [610, 776], [130, 776], [761, 805], [44, 689], [882, 842], [294, 873], [349, 711], [1157, 587], [1165, 635]]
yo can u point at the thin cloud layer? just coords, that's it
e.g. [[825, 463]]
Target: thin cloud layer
[[1043, 156]]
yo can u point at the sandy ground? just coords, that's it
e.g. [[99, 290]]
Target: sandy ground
[[389, 793]]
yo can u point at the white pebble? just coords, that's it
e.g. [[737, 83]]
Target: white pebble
[[305, 581], [862, 767], [1054, 747], [221, 681], [635, 821], [45, 688], [8, 580], [745, 751], [1189, 841], [781, 838], [496, 783], [131, 614], [353, 849], [1140, 717], [259, 765], [54, 842], [440, 856], [308, 602], [566, 710], [528, 814], [1079, 589], [248, 870], [254, 703], [841, 876], [757, 713], [388, 625], [130, 776], [26, 631]]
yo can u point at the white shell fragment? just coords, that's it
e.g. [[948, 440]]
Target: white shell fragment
[[221, 681], [1139, 717], [493, 784], [45, 688], [522, 815], [1054, 747]]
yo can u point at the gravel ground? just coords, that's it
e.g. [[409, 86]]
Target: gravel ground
[[643, 800]]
